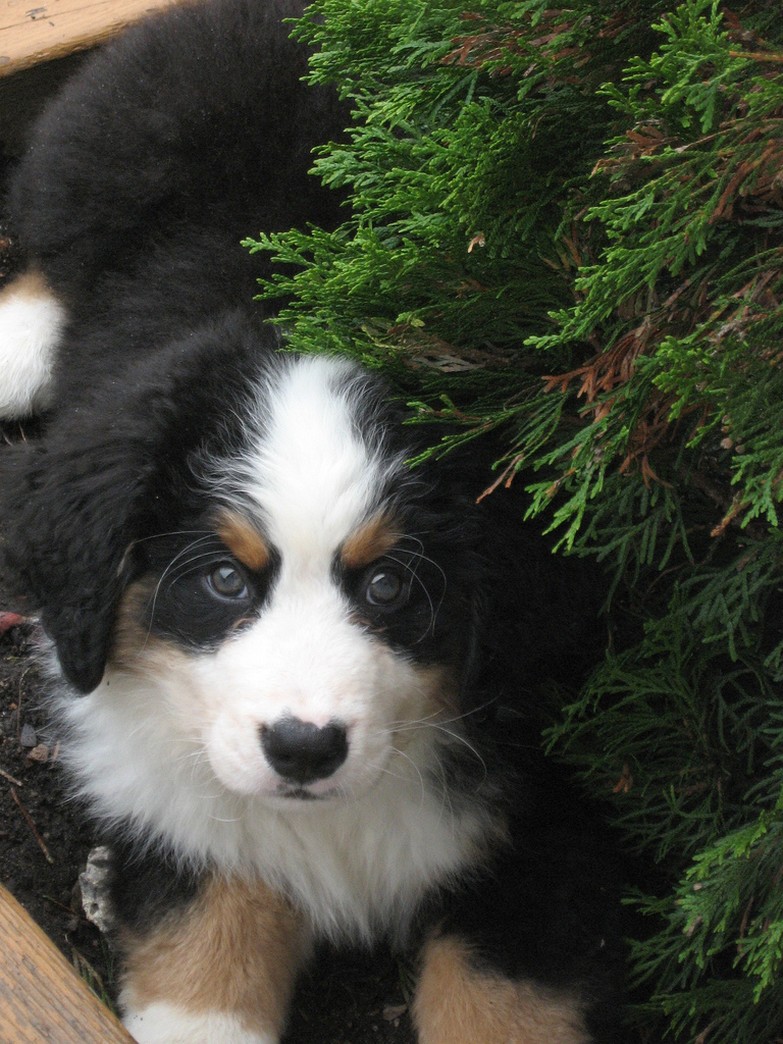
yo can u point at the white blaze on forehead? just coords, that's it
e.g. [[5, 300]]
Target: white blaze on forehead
[[311, 472]]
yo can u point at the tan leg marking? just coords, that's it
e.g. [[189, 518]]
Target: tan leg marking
[[456, 1004], [236, 949]]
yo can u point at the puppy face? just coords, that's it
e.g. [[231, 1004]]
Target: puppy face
[[310, 621]]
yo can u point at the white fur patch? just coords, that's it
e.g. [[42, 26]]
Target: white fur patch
[[31, 323], [170, 742], [309, 471], [356, 865], [162, 1023]]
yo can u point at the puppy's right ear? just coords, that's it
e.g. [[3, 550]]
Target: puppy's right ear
[[113, 469], [66, 508]]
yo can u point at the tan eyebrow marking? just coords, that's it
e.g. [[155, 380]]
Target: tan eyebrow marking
[[371, 540], [243, 540]]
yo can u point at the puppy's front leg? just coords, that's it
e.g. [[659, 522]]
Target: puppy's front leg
[[460, 1002], [222, 969]]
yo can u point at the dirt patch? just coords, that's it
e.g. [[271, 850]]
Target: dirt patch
[[43, 840]]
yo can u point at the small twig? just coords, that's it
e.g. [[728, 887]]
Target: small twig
[[11, 779], [757, 56], [29, 820], [20, 699]]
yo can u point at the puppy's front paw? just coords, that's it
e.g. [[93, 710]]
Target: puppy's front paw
[[162, 1023]]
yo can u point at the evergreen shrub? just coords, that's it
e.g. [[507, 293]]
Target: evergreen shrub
[[566, 227]]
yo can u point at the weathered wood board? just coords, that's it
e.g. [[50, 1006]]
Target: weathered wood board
[[35, 31], [41, 996]]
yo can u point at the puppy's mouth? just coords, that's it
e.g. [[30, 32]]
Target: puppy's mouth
[[299, 793]]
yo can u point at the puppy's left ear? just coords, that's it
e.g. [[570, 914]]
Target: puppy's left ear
[[67, 507]]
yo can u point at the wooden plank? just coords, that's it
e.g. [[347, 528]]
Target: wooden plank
[[34, 31], [41, 996]]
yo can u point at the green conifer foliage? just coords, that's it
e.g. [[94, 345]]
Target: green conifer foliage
[[566, 226]]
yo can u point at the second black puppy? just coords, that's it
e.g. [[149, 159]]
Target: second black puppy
[[292, 671]]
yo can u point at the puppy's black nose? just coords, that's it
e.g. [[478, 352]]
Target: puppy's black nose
[[302, 752]]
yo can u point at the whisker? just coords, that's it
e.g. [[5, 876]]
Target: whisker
[[170, 533], [193, 564], [411, 723], [442, 727], [409, 759], [445, 792], [224, 819], [187, 550], [430, 628]]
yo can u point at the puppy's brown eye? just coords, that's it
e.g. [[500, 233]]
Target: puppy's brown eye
[[384, 587], [227, 581]]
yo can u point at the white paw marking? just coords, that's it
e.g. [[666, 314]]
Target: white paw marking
[[162, 1023], [31, 323]]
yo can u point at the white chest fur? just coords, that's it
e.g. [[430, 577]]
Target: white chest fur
[[357, 867]]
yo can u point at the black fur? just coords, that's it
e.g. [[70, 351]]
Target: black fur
[[204, 133], [112, 471]]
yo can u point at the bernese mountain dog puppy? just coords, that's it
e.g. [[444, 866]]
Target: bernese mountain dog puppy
[[299, 679]]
